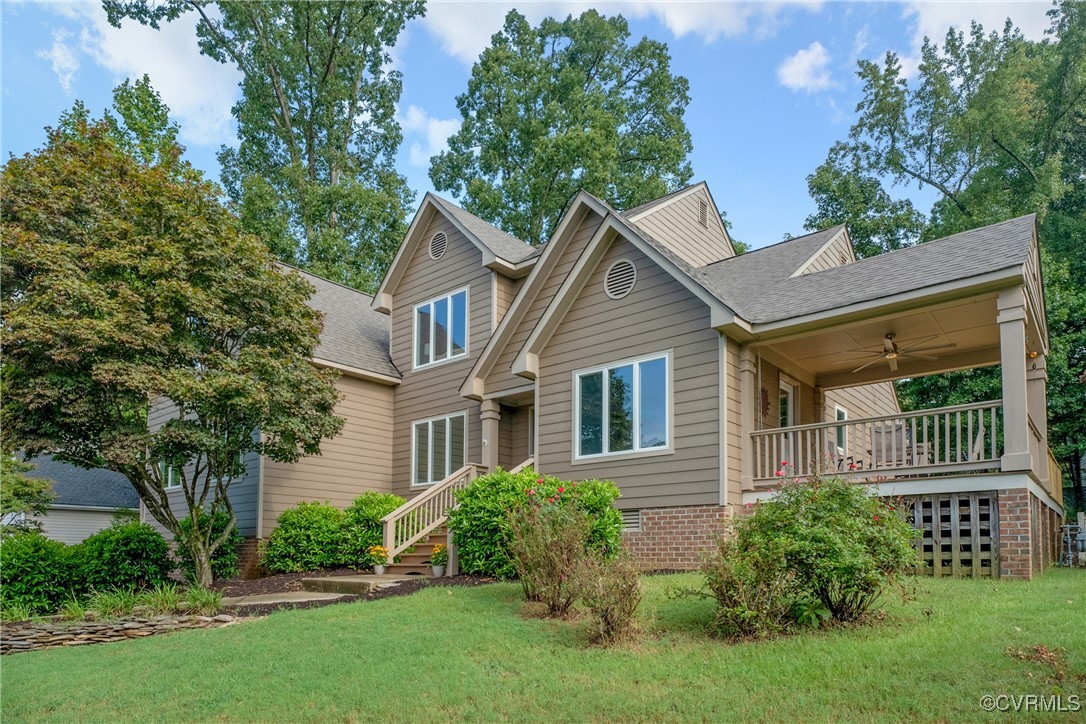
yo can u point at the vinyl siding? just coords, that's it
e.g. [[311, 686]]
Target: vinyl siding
[[505, 289], [862, 401], [357, 460], [501, 378], [513, 430], [660, 314], [243, 491], [736, 446], [433, 391], [73, 526], [677, 225], [837, 253]]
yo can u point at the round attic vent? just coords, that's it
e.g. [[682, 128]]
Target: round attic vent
[[620, 279], [438, 245]]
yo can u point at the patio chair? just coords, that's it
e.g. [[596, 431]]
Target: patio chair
[[889, 446]]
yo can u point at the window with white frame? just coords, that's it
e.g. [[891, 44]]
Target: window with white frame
[[623, 408], [438, 448], [441, 329], [171, 475], [841, 414]]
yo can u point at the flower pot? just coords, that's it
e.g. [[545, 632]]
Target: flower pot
[[378, 570], [439, 571]]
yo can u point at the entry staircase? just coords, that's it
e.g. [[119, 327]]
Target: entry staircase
[[412, 530]]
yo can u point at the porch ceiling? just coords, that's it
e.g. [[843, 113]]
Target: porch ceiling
[[831, 355]]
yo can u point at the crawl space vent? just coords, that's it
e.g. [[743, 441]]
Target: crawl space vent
[[620, 279], [631, 520], [438, 245]]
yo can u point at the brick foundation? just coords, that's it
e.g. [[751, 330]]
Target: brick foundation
[[1028, 535], [674, 538], [249, 559]]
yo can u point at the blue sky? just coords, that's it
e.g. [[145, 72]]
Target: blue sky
[[772, 84]]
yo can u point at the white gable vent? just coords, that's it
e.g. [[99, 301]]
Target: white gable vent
[[631, 520], [620, 279], [438, 245]]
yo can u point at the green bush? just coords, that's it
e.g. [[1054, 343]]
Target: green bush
[[754, 591], [130, 555], [307, 537], [224, 562], [610, 590], [480, 525], [362, 527], [113, 602], [547, 542], [36, 573]]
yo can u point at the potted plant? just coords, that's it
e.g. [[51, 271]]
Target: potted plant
[[379, 556], [438, 558]]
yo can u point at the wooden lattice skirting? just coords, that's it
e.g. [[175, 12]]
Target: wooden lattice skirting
[[960, 533]]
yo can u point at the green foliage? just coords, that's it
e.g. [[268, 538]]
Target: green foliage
[[21, 495], [307, 537], [564, 106], [203, 601], [314, 173], [439, 556], [132, 555], [163, 598], [15, 613], [113, 602], [115, 264], [74, 609], [548, 539], [362, 527], [36, 573], [224, 561], [480, 525], [610, 590]]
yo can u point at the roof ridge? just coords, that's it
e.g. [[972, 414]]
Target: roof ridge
[[325, 279], [649, 204]]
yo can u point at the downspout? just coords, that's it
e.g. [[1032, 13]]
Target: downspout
[[260, 494]]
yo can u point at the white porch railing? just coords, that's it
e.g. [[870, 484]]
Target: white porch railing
[[963, 438]]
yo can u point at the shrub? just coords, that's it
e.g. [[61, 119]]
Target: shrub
[[610, 590], [36, 573], [224, 562], [362, 527], [547, 541], [753, 590], [163, 599], [130, 555], [15, 613], [74, 609], [843, 546], [307, 537], [113, 603], [203, 601], [480, 525]]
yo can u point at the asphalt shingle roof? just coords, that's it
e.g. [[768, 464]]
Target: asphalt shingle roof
[[78, 486], [355, 335], [502, 244], [758, 285]]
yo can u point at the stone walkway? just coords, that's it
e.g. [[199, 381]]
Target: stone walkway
[[354, 585], [283, 597]]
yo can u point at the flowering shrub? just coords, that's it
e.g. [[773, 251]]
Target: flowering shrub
[[439, 556], [481, 527], [378, 555], [547, 542]]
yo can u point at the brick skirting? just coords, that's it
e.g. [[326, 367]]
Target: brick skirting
[[249, 559], [674, 538], [1028, 535]]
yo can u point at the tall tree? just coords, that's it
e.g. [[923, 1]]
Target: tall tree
[[314, 171], [126, 284], [996, 125], [565, 106]]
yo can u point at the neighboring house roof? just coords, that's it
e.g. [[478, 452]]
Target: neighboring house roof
[[502, 244], [355, 335], [80, 487], [759, 287]]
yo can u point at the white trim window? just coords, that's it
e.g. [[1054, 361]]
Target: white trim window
[[171, 475], [841, 414], [438, 448], [623, 408], [441, 329]]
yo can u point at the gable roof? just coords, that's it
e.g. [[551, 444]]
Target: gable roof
[[503, 245], [76, 486], [355, 335], [762, 291], [649, 208]]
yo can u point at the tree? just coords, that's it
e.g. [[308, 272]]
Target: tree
[[128, 287], [996, 125], [314, 173], [566, 106], [20, 494]]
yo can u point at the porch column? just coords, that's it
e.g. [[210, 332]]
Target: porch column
[[490, 414], [747, 384], [1012, 350], [1037, 401]]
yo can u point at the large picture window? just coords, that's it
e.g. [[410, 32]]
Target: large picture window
[[438, 448], [441, 329], [623, 408]]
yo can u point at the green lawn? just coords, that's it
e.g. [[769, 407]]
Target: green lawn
[[467, 654]]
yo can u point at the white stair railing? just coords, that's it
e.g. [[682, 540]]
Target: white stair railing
[[418, 517]]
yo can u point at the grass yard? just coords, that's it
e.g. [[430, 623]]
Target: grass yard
[[467, 654]]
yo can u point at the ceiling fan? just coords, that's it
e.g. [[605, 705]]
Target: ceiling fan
[[891, 352]]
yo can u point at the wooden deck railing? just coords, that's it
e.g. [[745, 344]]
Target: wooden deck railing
[[1055, 478], [416, 518], [962, 438]]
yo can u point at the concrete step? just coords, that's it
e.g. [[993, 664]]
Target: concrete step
[[354, 585], [410, 569]]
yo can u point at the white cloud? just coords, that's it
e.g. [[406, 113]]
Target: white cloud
[[62, 58], [198, 90], [464, 29], [807, 70], [432, 134], [933, 19]]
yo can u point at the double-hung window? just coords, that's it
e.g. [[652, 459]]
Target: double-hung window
[[623, 408], [441, 329], [438, 448], [171, 475], [841, 414]]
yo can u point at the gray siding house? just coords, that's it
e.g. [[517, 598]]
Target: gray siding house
[[637, 346], [86, 500]]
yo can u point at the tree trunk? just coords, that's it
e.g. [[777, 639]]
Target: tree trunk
[[201, 560]]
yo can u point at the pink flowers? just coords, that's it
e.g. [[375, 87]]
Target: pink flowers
[[550, 500], [780, 473], [531, 492], [784, 463], [561, 489], [876, 519], [539, 482]]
